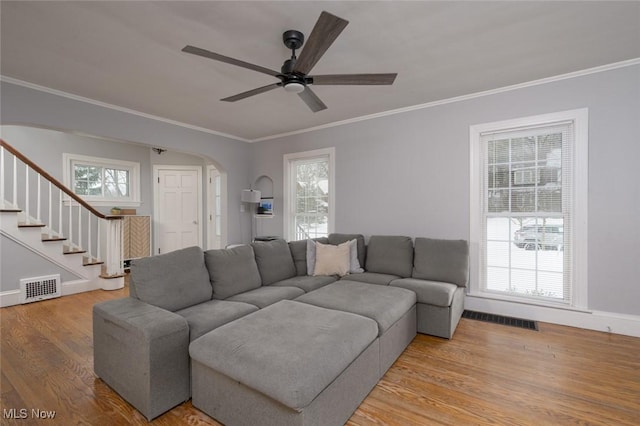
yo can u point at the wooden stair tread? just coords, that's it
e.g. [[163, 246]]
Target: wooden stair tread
[[109, 277], [74, 251], [10, 210], [48, 239], [95, 262], [31, 225]]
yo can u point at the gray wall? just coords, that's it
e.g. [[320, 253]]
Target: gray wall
[[409, 173], [22, 105], [382, 163], [18, 262], [45, 147]]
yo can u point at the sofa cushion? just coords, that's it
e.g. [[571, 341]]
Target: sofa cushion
[[442, 260], [232, 271], [336, 239], [311, 257], [372, 278], [385, 305], [204, 317], [265, 296], [274, 261], [264, 352], [390, 255], [306, 283], [332, 260], [171, 281], [429, 292], [299, 254]]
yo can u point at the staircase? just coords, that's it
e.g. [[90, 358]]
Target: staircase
[[74, 237]]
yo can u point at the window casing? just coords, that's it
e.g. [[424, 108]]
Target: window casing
[[528, 209], [309, 194], [103, 181]]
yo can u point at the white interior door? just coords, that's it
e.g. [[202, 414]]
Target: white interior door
[[177, 208]]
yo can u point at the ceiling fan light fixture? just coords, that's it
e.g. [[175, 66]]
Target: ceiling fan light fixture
[[294, 87]]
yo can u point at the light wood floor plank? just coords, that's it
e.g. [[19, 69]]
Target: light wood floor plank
[[487, 374]]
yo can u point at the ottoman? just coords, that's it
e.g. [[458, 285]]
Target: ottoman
[[290, 363], [392, 308]]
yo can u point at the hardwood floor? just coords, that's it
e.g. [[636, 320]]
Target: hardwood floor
[[487, 374]]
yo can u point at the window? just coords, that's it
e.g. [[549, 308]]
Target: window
[[309, 192], [101, 181], [528, 209]]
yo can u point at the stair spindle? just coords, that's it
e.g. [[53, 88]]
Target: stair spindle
[[27, 218], [89, 245], [50, 221], [70, 238], [2, 176], [15, 182], [60, 213], [79, 227], [98, 249], [38, 203]]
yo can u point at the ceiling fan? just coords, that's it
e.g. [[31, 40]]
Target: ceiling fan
[[294, 74]]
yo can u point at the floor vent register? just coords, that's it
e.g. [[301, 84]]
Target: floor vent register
[[500, 319]]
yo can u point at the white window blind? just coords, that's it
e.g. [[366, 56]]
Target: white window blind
[[526, 207], [309, 204]]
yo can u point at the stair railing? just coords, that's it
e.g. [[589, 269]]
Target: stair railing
[[83, 221]]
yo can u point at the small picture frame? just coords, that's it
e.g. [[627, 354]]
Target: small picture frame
[[265, 207]]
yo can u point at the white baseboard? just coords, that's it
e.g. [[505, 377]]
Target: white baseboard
[[9, 298], [77, 286], [609, 322], [12, 297]]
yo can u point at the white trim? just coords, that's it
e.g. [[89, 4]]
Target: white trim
[[156, 203], [116, 107], [575, 74], [609, 322], [211, 211], [9, 298], [134, 185], [287, 208], [78, 286], [462, 98], [579, 118], [12, 297]]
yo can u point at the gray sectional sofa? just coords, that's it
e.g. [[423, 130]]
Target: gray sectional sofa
[[250, 335]]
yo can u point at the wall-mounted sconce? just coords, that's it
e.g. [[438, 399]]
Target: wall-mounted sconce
[[250, 196]]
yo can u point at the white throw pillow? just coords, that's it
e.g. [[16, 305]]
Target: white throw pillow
[[332, 260]]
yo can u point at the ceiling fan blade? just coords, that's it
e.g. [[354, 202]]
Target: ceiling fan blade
[[217, 57], [251, 92], [355, 79], [312, 100], [324, 33]]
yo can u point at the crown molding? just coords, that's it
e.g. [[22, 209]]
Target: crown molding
[[67, 95], [575, 74], [462, 98]]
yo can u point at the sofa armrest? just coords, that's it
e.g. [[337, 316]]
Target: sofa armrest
[[142, 352]]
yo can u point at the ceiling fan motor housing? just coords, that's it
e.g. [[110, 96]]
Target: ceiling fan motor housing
[[293, 39], [287, 67]]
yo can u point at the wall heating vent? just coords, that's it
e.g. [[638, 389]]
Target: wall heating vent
[[39, 288]]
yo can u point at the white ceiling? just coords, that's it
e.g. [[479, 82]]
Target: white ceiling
[[128, 53]]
